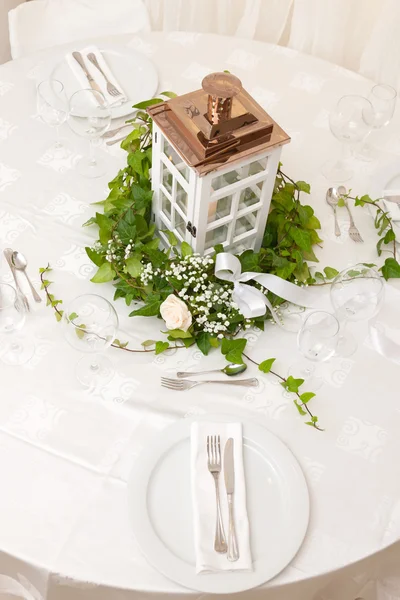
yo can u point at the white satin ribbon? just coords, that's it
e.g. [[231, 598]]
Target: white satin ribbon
[[251, 301]]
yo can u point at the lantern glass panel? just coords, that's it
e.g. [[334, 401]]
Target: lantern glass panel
[[218, 209], [180, 226], [245, 223], [219, 235], [166, 208], [249, 196], [240, 173], [181, 197], [176, 160], [167, 178]]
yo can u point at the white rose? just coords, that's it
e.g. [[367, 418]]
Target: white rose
[[175, 313]]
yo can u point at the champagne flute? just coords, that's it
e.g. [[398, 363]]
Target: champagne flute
[[90, 324], [13, 349], [383, 103], [90, 117], [357, 294], [52, 107], [317, 341], [348, 125]]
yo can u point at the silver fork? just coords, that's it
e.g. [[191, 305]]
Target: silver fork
[[180, 385], [111, 89], [354, 234], [214, 466]]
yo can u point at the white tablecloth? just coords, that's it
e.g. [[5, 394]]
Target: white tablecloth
[[65, 455]]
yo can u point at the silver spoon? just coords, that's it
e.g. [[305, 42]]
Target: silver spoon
[[20, 263], [332, 198], [231, 370]]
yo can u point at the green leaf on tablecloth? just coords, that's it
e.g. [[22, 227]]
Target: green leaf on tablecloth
[[148, 343], [369, 265], [120, 344], [203, 342], [306, 397], [303, 186], [133, 266], [215, 342], [302, 412], [301, 238], [80, 330], [58, 315], [391, 269], [266, 365], [379, 246], [233, 349], [72, 316], [330, 272], [94, 256], [105, 273], [187, 342], [291, 384], [186, 249], [390, 236], [161, 347], [341, 202], [151, 309], [313, 422], [178, 334]]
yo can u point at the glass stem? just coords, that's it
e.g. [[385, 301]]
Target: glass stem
[[92, 159]]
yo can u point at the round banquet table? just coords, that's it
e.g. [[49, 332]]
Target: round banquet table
[[66, 454]]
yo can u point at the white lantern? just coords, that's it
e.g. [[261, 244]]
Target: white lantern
[[215, 158]]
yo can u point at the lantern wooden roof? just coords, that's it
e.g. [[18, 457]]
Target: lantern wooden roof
[[217, 125]]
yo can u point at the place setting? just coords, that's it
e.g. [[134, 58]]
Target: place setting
[[212, 532]]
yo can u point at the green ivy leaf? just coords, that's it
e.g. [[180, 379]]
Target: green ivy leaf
[[151, 309], [302, 412], [303, 186], [147, 103], [148, 343], [105, 273], [178, 334], [389, 237], [186, 249], [203, 342], [291, 384], [266, 365], [133, 266], [161, 347], [233, 349], [391, 269], [58, 315], [330, 272], [172, 239], [94, 256], [301, 237], [378, 246], [306, 397], [215, 343]]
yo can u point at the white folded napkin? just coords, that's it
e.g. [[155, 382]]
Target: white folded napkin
[[204, 504], [95, 73], [393, 209]]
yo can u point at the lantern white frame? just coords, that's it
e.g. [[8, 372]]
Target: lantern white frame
[[182, 197]]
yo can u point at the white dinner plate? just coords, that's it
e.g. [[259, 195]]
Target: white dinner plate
[[161, 507], [135, 73]]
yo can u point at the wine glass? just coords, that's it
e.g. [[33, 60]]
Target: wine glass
[[52, 107], [317, 341], [90, 117], [348, 125], [90, 324], [383, 103], [13, 349], [356, 294]]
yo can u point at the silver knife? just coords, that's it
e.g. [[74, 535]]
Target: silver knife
[[229, 474], [8, 256], [79, 59]]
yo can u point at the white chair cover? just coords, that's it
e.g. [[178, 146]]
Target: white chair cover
[[44, 23]]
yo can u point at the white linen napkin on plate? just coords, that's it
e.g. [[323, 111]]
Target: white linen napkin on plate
[[393, 209], [95, 73], [204, 504]]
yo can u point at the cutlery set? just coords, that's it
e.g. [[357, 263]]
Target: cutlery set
[[214, 463], [333, 196], [17, 262]]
